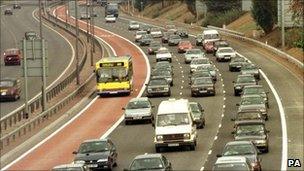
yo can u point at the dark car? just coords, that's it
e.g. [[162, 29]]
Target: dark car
[[202, 86], [97, 154], [162, 73], [243, 148], [12, 56], [251, 69], [10, 89], [241, 81], [158, 87], [237, 63], [256, 89], [145, 27], [254, 103], [183, 33], [146, 40], [30, 35], [150, 162], [218, 44], [153, 47], [8, 11], [201, 73], [199, 40], [16, 6], [253, 130], [174, 40], [166, 36], [197, 113]]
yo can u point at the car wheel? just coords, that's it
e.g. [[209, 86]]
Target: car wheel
[[170, 60], [127, 122], [171, 84], [115, 164], [235, 93], [230, 69], [158, 149], [266, 150], [192, 147]]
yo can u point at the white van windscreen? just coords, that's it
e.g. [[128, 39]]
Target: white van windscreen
[[211, 36], [173, 119]]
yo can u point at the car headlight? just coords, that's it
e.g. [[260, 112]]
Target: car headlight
[[187, 136], [149, 89], [238, 87], [3, 93], [194, 89], [210, 88], [260, 141], [265, 98], [102, 160], [79, 162], [166, 89], [263, 110], [159, 137]]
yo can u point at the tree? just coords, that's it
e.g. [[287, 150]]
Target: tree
[[297, 7], [222, 5], [264, 13]]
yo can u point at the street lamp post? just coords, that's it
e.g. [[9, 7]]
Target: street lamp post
[[76, 46]]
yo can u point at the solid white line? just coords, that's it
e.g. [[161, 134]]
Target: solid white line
[[283, 119], [59, 77]]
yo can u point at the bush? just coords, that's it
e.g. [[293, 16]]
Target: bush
[[190, 19], [222, 18], [294, 38]]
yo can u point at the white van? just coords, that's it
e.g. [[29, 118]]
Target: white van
[[174, 125], [210, 36]]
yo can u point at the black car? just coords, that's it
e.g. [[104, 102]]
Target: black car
[[202, 86], [237, 63], [153, 47], [199, 40], [174, 40], [150, 162], [243, 148], [182, 33], [10, 89], [197, 113], [158, 87], [8, 11], [16, 6], [97, 154], [253, 130], [241, 81], [146, 40]]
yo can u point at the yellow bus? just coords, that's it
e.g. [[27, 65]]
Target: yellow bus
[[114, 75]]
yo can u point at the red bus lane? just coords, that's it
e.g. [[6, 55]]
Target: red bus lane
[[94, 122]]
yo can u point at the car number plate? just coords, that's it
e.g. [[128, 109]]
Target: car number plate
[[92, 165], [173, 145], [113, 92], [137, 117], [238, 66], [203, 91], [227, 57]]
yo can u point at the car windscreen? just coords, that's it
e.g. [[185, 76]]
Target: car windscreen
[[254, 90], [158, 82], [161, 72], [238, 149], [248, 79], [251, 129], [231, 166], [202, 80], [163, 51], [174, 37], [116, 74], [146, 164], [6, 83], [141, 33], [195, 110], [138, 104], [249, 67], [201, 74], [184, 43], [252, 100], [225, 51], [173, 119], [248, 116], [93, 147], [200, 61], [211, 36], [194, 51]]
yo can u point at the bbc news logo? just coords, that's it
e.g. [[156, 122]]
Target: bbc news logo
[[294, 163]]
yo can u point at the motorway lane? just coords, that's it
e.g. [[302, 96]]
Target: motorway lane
[[12, 31], [225, 131], [92, 123]]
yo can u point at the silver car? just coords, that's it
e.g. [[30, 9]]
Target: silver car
[[225, 54], [133, 25], [193, 54], [251, 69], [138, 109], [199, 62], [256, 89]]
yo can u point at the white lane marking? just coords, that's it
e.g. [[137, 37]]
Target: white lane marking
[[224, 106], [59, 77], [180, 67], [182, 87], [210, 151], [183, 81], [183, 76], [182, 71], [223, 85], [224, 91], [283, 119], [215, 138], [223, 115], [181, 93], [224, 98]]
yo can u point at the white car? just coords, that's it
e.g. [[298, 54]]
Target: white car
[[225, 54], [199, 62], [139, 34], [138, 109], [193, 54], [110, 19], [133, 25], [156, 33], [163, 54]]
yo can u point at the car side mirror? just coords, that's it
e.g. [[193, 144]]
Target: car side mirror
[[237, 104], [233, 132], [259, 152], [232, 119], [203, 110], [267, 92], [218, 155], [123, 108], [146, 84], [233, 81], [74, 152], [153, 124], [170, 164]]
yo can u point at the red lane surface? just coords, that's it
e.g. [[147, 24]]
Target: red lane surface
[[94, 122]]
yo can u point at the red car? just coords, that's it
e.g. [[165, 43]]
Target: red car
[[183, 46], [10, 89], [209, 47], [12, 56]]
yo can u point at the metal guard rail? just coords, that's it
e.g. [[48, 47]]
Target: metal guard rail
[[280, 53]]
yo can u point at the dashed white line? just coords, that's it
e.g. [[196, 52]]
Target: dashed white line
[[224, 98], [182, 87], [220, 125], [215, 138], [210, 151], [224, 106], [224, 91], [181, 93], [223, 115]]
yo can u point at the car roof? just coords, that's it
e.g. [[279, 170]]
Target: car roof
[[139, 99], [147, 155], [231, 159]]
